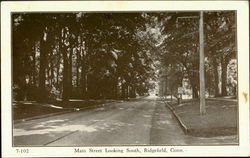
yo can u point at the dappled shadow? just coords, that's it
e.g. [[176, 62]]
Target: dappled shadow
[[50, 127]]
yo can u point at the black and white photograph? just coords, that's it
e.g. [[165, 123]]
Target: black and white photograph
[[158, 78]]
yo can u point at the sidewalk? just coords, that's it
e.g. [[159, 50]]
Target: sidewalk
[[220, 118]]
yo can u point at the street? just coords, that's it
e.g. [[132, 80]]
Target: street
[[145, 121]]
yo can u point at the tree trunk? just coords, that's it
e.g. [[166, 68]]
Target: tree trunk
[[132, 91], [216, 77], [77, 68], [58, 70], [65, 94], [83, 76], [195, 92], [115, 92], [42, 75], [58, 63], [223, 77], [70, 72], [34, 65], [51, 68], [123, 91], [47, 71], [127, 92]]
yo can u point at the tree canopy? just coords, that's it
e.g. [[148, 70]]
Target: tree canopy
[[118, 55]]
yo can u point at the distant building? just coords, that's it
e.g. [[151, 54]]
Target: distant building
[[169, 81]]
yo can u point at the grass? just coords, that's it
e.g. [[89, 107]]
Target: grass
[[220, 117], [23, 110]]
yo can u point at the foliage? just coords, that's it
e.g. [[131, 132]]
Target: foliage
[[119, 55], [81, 55], [180, 47]]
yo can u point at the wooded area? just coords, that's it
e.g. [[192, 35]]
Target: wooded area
[[119, 55]]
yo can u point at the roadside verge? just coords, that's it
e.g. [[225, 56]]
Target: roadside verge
[[220, 118], [25, 111]]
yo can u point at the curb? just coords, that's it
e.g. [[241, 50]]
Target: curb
[[41, 116], [200, 132], [183, 126], [223, 99], [60, 113]]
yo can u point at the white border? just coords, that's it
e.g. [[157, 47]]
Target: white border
[[243, 78]]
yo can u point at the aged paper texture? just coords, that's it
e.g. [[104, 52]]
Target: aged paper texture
[[125, 78]]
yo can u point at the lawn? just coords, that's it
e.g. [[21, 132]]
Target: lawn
[[220, 118], [23, 110], [30, 109]]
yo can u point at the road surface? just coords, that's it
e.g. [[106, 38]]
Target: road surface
[[139, 122]]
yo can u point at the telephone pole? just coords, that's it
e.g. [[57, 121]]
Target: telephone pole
[[202, 60], [202, 67]]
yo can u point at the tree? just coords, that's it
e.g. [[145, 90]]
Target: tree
[[180, 48], [221, 44]]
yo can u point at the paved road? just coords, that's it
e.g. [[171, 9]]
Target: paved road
[[140, 122]]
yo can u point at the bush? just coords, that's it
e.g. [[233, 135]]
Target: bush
[[53, 93], [76, 93], [35, 93], [17, 93]]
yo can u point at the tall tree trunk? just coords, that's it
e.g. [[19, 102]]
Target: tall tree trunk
[[51, 68], [87, 66], [223, 77], [58, 70], [195, 92], [127, 92], [58, 64], [34, 65], [77, 68], [65, 94], [83, 76], [42, 75], [216, 77], [115, 91], [194, 86], [123, 91], [47, 70], [70, 72], [132, 91]]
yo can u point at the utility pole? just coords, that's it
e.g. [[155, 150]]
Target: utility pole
[[202, 67]]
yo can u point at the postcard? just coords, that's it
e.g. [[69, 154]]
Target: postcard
[[125, 78]]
